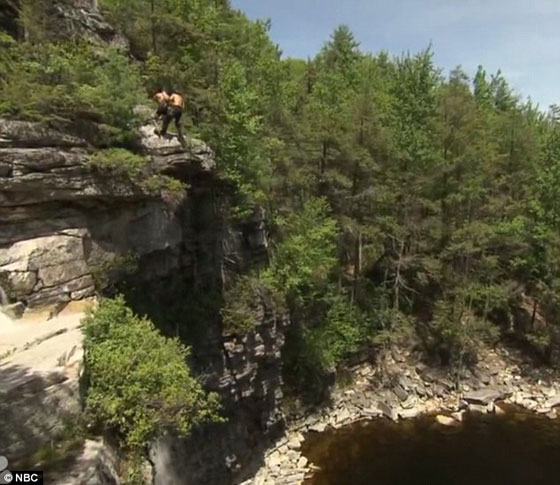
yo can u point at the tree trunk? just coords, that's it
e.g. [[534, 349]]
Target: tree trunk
[[153, 25], [324, 157], [397, 284], [357, 265], [534, 314]]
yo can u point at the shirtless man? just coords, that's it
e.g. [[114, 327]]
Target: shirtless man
[[162, 99], [176, 104]]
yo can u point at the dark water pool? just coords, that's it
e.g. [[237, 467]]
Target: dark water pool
[[515, 449]]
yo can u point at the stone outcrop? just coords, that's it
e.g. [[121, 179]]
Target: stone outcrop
[[81, 20], [96, 464], [61, 220]]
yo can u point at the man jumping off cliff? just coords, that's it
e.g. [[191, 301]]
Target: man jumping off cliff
[[175, 106], [170, 107], [162, 99]]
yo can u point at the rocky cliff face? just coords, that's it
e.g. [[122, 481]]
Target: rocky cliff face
[[62, 223]]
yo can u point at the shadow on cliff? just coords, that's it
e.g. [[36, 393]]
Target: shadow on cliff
[[215, 454], [38, 426], [243, 370]]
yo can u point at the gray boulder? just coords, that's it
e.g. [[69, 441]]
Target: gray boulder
[[388, 411], [486, 395]]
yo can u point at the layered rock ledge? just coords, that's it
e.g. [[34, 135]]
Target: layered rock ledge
[[61, 220]]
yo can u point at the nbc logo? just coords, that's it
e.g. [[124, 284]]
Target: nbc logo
[[12, 476]]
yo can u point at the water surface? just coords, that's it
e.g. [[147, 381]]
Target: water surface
[[516, 449]]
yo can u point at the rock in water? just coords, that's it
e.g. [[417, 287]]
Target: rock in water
[[485, 396], [500, 411], [409, 413], [447, 420]]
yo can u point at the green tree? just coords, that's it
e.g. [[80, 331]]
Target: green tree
[[138, 382]]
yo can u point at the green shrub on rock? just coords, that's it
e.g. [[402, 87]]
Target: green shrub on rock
[[343, 332], [119, 162], [131, 167], [172, 190], [138, 382]]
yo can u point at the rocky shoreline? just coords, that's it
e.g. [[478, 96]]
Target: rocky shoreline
[[406, 389]]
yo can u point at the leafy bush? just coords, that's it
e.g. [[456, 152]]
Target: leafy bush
[[119, 162], [33, 16], [239, 311], [134, 168], [238, 142], [343, 332], [540, 339], [172, 190], [326, 326], [138, 382], [393, 327]]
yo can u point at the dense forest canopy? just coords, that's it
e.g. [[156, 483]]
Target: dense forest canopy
[[405, 205]]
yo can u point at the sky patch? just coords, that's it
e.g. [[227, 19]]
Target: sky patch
[[519, 37]]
